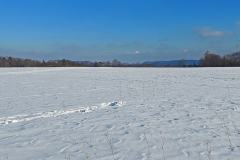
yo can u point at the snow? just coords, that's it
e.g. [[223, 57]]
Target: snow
[[55, 113], [119, 113]]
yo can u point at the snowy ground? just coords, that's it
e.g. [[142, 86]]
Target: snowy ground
[[120, 114]]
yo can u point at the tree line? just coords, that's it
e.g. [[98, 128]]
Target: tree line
[[20, 62], [214, 60], [209, 59]]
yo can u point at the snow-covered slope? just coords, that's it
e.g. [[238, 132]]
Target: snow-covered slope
[[119, 113]]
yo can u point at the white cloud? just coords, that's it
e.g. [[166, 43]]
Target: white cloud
[[209, 32], [186, 50], [137, 52]]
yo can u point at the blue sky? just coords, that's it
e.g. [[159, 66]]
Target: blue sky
[[128, 30]]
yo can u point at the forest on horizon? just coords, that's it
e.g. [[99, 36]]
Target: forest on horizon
[[209, 59]]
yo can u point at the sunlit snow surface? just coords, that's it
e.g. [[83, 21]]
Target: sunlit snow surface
[[119, 113]]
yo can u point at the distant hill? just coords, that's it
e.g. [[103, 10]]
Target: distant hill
[[173, 63]]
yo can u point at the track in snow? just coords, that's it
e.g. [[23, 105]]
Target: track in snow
[[57, 113]]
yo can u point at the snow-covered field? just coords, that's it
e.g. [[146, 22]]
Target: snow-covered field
[[120, 114]]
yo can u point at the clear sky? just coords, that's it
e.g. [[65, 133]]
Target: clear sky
[[128, 30]]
